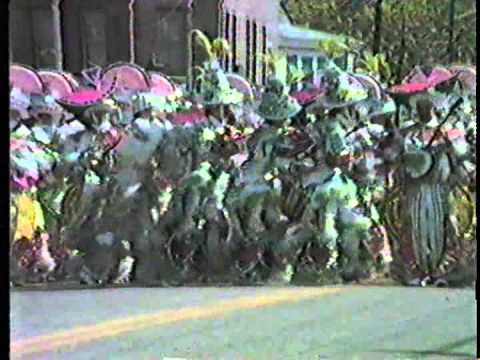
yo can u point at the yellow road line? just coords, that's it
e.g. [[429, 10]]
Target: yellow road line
[[85, 334]]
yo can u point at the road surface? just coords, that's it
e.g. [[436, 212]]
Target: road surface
[[350, 322]]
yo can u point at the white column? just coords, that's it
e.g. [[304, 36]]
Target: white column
[[299, 62], [315, 66], [300, 67]]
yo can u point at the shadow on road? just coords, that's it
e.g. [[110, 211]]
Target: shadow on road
[[442, 351]]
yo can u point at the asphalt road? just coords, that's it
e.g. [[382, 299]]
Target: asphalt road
[[244, 323]]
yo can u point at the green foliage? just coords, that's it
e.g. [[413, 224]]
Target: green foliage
[[375, 65], [333, 48], [295, 75], [412, 32], [276, 62]]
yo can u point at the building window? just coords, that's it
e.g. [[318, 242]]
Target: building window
[[193, 58], [234, 42], [264, 52], [292, 60], [291, 63], [227, 37], [254, 55], [248, 50], [307, 65]]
